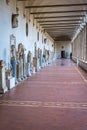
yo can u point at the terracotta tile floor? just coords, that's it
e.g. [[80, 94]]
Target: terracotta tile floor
[[54, 98]]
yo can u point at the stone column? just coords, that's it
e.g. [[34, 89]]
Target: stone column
[[3, 87]]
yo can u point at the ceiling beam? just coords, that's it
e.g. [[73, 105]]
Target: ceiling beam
[[63, 32], [60, 29], [64, 23], [60, 26], [54, 35], [54, 12], [22, 0], [64, 20], [55, 32], [59, 5], [60, 33], [68, 16], [50, 31]]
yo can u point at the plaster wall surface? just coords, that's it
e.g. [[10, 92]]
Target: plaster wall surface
[[6, 30]]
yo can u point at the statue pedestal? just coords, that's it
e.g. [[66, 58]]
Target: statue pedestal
[[3, 87], [11, 83]]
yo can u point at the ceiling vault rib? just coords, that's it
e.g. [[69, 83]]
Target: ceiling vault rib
[[60, 5]]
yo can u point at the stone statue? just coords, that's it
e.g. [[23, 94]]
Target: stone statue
[[40, 58], [13, 60], [29, 57], [18, 66], [20, 61], [13, 51], [24, 61], [21, 64], [29, 63]]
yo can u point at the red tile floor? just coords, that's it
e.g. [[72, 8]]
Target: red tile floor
[[55, 98]]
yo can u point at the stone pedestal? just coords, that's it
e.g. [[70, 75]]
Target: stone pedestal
[[3, 87], [11, 83]]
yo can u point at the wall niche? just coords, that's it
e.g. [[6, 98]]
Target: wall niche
[[15, 20]]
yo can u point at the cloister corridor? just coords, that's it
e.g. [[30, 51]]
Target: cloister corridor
[[54, 98]]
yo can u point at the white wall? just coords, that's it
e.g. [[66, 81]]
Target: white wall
[[20, 32], [58, 48]]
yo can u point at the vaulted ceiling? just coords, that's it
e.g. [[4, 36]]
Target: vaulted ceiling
[[59, 18]]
